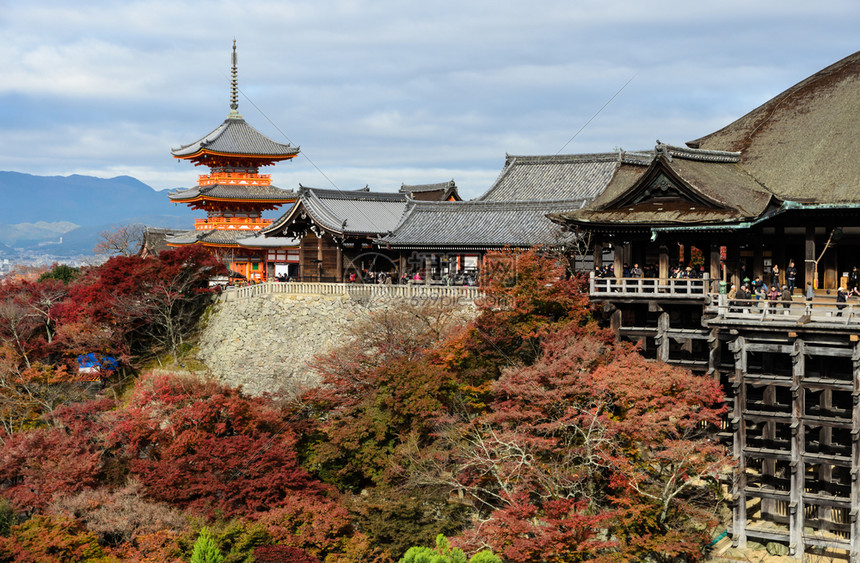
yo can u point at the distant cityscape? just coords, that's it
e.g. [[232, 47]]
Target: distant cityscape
[[37, 260]]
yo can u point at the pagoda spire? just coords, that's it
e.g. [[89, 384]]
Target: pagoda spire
[[234, 85]]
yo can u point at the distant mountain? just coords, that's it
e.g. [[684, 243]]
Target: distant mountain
[[82, 200], [64, 215]]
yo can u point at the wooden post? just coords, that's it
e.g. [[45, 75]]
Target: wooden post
[[758, 261], [663, 324], [618, 263], [428, 269], [809, 258], [319, 258], [795, 506], [598, 253], [714, 270], [340, 263], [739, 497], [778, 256], [663, 264], [855, 458]]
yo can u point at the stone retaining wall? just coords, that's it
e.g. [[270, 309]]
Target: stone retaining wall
[[265, 343]]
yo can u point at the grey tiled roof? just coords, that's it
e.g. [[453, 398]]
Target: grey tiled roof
[[235, 136], [427, 192], [478, 224], [211, 237], [219, 191], [259, 241], [155, 238], [346, 212], [556, 178], [405, 189], [718, 191]]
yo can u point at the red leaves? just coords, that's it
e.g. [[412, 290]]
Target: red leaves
[[40, 463], [209, 449]]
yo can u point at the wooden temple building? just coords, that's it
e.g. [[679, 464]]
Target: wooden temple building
[[425, 232], [336, 230], [235, 195], [780, 184]]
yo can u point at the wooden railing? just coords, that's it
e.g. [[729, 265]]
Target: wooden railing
[[822, 309], [442, 293], [649, 287]]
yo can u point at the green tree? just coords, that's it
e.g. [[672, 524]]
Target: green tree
[[205, 550], [445, 553], [61, 272]]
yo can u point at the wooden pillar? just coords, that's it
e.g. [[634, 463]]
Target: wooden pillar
[[598, 253], [663, 325], [615, 323], [768, 464], [339, 263], [778, 256], [809, 258], [714, 265], [733, 266], [855, 459], [663, 264], [319, 258], [428, 268], [831, 273], [739, 497], [618, 264], [758, 261], [795, 506]]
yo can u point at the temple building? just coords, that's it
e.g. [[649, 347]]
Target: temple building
[[337, 229], [235, 195], [453, 237], [772, 199], [425, 232]]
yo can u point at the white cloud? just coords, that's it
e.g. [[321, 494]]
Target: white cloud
[[388, 92]]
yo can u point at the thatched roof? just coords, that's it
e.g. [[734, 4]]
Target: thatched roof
[[802, 144]]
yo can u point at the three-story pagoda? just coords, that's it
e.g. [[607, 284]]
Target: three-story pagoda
[[234, 194]]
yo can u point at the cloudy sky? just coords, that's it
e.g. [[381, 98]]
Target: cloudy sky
[[387, 92]]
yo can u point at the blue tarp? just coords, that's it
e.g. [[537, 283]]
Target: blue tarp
[[91, 362]]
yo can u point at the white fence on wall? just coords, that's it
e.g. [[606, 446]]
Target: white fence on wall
[[452, 294]]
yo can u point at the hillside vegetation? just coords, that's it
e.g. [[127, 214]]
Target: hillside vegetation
[[527, 435]]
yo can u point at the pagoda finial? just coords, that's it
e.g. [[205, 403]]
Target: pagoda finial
[[234, 85]]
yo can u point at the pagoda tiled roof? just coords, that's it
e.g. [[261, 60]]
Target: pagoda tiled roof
[[236, 137], [479, 224], [239, 192], [360, 212], [557, 177]]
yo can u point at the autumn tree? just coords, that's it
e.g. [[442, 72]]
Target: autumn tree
[[207, 448], [122, 240], [590, 437], [133, 305]]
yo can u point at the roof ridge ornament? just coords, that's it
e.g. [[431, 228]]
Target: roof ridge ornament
[[234, 84]]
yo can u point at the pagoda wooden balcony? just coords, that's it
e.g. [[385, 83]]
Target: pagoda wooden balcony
[[231, 223], [234, 179]]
